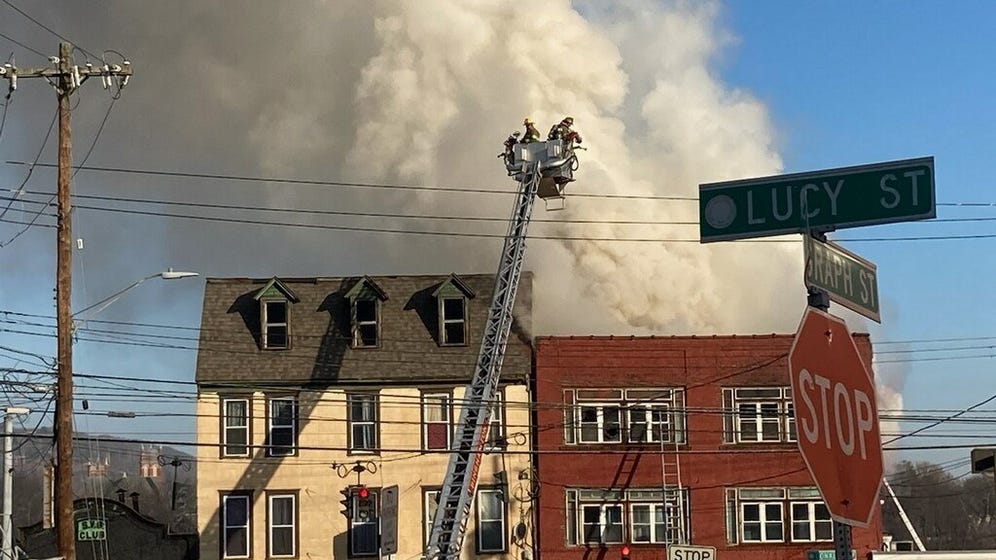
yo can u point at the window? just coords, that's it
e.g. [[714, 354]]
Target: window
[[430, 503], [281, 525], [366, 326], [363, 532], [235, 427], [491, 514], [362, 422], [647, 515], [598, 416], [274, 322], [436, 420], [490, 520], [811, 522], [758, 415], [759, 515], [282, 426], [496, 425], [453, 321], [235, 522]]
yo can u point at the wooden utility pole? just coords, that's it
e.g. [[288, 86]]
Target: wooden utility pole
[[65, 77]]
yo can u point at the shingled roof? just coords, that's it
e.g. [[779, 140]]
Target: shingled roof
[[320, 352]]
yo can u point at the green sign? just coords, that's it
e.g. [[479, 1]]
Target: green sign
[[91, 530], [826, 554], [879, 193], [850, 280]]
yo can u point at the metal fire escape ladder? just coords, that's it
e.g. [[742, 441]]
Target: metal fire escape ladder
[[457, 494]]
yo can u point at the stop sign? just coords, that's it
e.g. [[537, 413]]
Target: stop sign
[[836, 419]]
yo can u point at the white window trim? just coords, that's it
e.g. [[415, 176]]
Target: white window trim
[[763, 519], [354, 423], [357, 338], [667, 427], [785, 415], [496, 438], [759, 420], [602, 522], [811, 522], [502, 518], [225, 526], [226, 427], [444, 321], [599, 422], [271, 526], [266, 324], [429, 507], [270, 426], [427, 399]]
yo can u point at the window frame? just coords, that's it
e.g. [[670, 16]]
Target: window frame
[[665, 403], [224, 498], [356, 324], [271, 449], [812, 522], [265, 323], [223, 418], [502, 519], [734, 419], [444, 321], [352, 423], [270, 526], [426, 423], [762, 521], [496, 438], [672, 503], [429, 512]]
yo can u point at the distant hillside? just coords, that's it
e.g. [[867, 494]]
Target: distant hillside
[[104, 466]]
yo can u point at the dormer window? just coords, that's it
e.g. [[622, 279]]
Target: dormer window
[[274, 321], [453, 321], [452, 296], [365, 299], [274, 315], [366, 327]]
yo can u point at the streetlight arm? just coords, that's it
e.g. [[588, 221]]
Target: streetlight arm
[[169, 274]]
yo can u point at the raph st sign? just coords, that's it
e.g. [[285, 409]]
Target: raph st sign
[[850, 280], [879, 193]]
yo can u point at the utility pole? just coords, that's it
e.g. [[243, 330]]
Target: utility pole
[[65, 77]]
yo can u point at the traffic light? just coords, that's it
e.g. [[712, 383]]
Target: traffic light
[[347, 502], [624, 553], [366, 508]]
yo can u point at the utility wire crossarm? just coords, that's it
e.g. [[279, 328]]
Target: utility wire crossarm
[[542, 169]]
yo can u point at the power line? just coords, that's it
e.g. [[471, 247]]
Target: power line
[[47, 28], [23, 46]]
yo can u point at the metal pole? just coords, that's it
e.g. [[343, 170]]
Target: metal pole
[[65, 536], [8, 484]]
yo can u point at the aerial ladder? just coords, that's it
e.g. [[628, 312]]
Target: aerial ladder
[[542, 170]]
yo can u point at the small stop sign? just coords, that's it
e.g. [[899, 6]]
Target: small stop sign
[[836, 418]]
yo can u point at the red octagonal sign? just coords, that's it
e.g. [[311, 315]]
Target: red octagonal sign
[[836, 419]]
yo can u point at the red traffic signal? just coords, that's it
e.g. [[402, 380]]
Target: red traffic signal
[[624, 552], [363, 492]]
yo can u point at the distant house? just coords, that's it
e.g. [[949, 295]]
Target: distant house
[[108, 528], [688, 440], [309, 385]]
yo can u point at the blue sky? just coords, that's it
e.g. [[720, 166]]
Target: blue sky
[[878, 81]]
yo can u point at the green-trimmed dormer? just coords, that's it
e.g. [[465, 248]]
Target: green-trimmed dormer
[[365, 298], [452, 297], [274, 315]]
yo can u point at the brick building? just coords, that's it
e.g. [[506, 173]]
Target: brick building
[[301, 381], [644, 441]]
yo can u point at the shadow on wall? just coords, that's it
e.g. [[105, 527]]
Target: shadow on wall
[[327, 364]]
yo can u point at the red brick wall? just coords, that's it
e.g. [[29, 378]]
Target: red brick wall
[[703, 366]]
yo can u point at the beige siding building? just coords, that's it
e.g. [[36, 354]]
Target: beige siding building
[[309, 386]]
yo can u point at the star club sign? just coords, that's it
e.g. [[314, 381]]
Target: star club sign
[[837, 421]]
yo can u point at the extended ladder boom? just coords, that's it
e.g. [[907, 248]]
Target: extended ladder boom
[[457, 494]]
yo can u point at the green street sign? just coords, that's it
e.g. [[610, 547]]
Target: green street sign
[[850, 280], [91, 530], [826, 554], [879, 193]]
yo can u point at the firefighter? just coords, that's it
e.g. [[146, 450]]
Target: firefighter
[[532, 133], [508, 154], [561, 130]]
